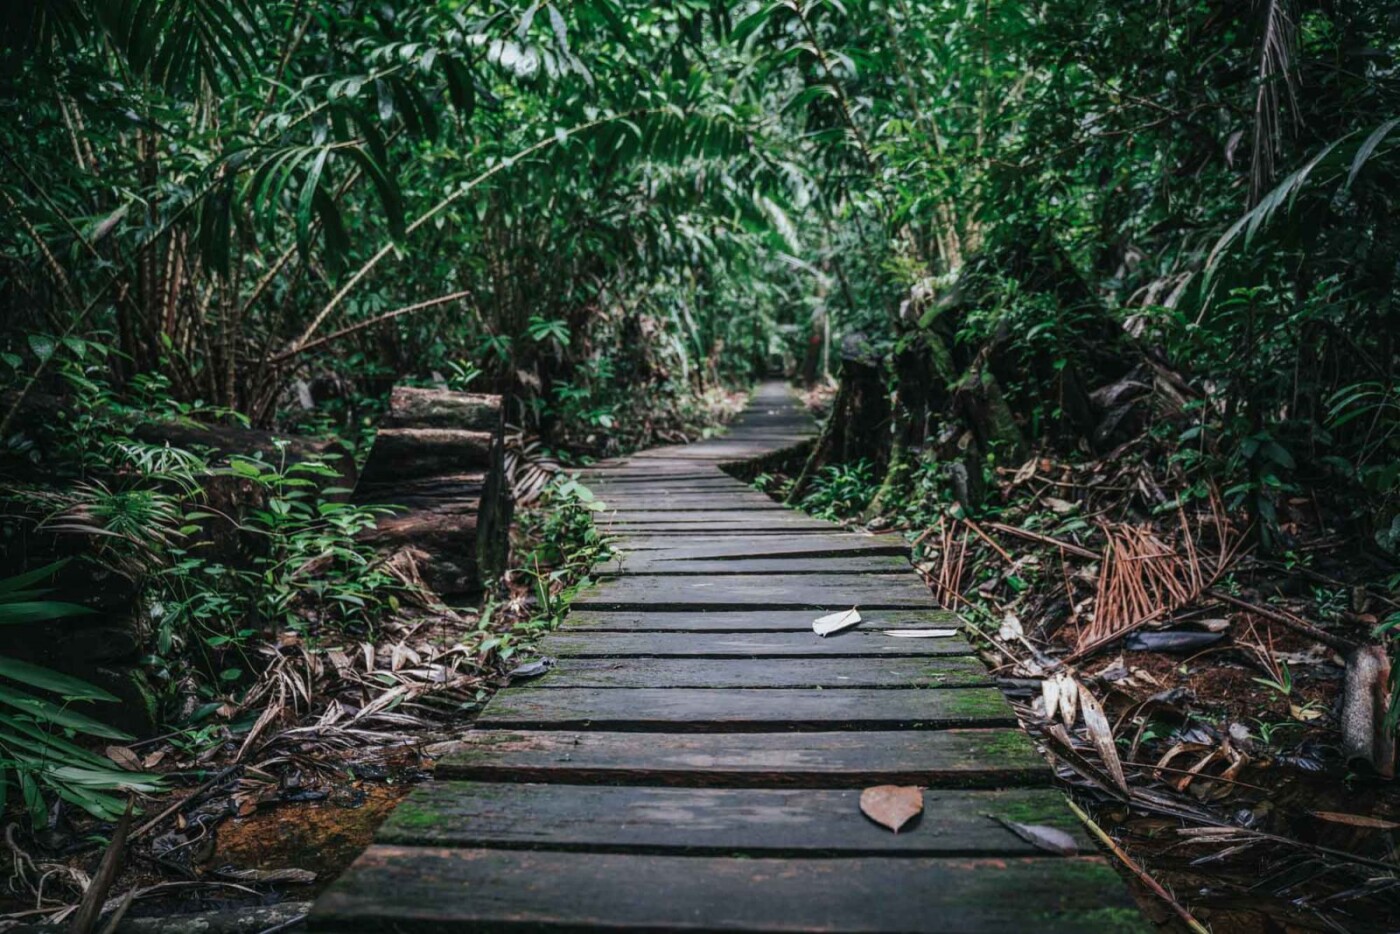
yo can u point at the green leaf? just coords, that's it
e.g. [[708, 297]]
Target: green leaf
[[50, 712], [21, 581], [49, 680], [38, 611], [42, 346]]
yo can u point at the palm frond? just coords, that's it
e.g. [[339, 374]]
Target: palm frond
[[1276, 84]]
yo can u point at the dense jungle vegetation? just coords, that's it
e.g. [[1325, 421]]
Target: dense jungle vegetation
[[1027, 239]]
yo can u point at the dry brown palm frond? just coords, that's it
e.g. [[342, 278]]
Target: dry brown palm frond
[[947, 582], [528, 467], [1142, 578], [1278, 40]]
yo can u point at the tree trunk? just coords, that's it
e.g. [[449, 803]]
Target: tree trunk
[[859, 417]]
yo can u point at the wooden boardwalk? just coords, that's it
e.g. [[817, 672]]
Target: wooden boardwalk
[[695, 759]]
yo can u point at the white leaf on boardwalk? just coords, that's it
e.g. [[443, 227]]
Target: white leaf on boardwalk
[[835, 622], [920, 633]]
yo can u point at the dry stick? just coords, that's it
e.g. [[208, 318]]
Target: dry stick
[[90, 908], [184, 802], [378, 319], [1340, 643], [1156, 887], [983, 535], [1065, 546]]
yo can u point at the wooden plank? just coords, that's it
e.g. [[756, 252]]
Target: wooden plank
[[722, 821], [983, 758], [752, 710], [642, 563], [748, 545], [698, 531], [433, 889], [712, 673], [645, 504], [744, 621], [737, 591], [716, 481], [849, 644], [768, 516]]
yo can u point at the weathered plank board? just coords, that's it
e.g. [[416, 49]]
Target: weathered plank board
[[430, 889], [849, 644], [747, 710], [640, 563], [748, 545], [641, 506], [725, 821], [745, 621], [719, 483], [957, 671], [766, 516], [737, 591], [984, 758]]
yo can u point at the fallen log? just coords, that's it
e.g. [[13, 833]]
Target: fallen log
[[441, 456], [410, 453], [416, 407]]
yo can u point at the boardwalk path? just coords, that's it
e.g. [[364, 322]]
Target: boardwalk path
[[695, 759]]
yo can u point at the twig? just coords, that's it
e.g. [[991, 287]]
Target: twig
[[1195, 926], [1061, 544], [90, 908], [186, 801], [986, 538], [286, 355], [1339, 643]]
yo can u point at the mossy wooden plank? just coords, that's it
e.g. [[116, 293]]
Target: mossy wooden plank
[[755, 710], [738, 591], [980, 758], [434, 889], [728, 821], [657, 498], [786, 518], [741, 545], [639, 563], [695, 486], [755, 621], [712, 673], [849, 644]]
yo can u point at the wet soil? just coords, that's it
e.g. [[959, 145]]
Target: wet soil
[[323, 836]]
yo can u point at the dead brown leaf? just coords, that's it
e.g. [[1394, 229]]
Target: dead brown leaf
[[892, 806], [123, 757], [1102, 734], [1355, 820]]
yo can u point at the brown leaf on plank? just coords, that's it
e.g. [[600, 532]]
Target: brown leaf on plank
[[892, 806]]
